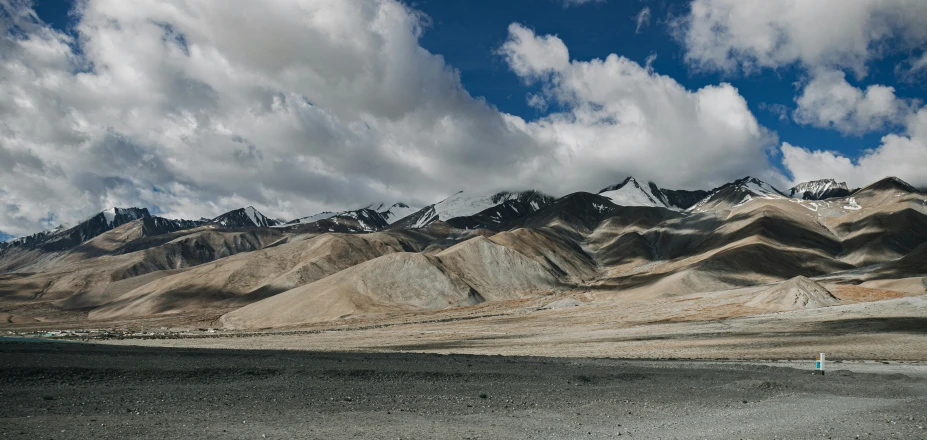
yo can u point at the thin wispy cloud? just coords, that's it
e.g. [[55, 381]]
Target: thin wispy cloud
[[643, 19], [568, 3]]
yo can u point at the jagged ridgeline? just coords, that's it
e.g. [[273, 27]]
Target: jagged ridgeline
[[631, 239]]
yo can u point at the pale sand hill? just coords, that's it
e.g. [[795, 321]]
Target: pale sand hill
[[796, 294], [402, 281], [559, 255], [495, 271], [673, 284], [473, 271]]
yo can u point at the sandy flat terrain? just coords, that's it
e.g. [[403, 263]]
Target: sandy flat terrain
[[82, 391], [892, 329]]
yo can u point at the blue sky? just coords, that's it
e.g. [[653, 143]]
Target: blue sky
[[468, 34], [192, 109]]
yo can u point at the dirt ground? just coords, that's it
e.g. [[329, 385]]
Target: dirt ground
[[83, 391]]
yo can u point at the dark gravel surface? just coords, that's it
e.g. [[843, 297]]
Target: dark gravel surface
[[84, 391]]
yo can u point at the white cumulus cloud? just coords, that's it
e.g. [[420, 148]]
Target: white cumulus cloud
[[200, 107], [732, 35], [900, 155], [624, 119], [829, 101]]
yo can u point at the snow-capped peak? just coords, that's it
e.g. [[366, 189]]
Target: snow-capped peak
[[819, 189], [462, 204], [738, 193], [631, 193]]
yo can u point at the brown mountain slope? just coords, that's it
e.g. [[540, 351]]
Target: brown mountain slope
[[397, 282], [496, 272], [71, 274], [506, 266], [242, 279]]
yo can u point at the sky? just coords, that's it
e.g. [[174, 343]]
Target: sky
[[194, 108]]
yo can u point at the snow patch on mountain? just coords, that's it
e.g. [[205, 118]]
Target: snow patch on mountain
[[386, 211], [746, 200], [309, 219], [253, 215], [852, 205], [425, 217], [462, 204]]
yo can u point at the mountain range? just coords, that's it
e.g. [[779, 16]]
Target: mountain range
[[243, 270]]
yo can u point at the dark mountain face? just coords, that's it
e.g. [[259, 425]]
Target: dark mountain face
[[63, 239], [244, 218], [578, 211], [819, 190], [829, 194], [159, 225], [418, 219], [891, 183], [497, 217], [511, 207], [678, 198]]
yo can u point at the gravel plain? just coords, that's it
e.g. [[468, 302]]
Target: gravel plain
[[84, 391]]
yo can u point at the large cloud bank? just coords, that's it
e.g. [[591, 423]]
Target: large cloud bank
[[303, 105]]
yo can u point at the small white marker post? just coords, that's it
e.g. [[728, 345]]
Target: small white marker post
[[819, 363]]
